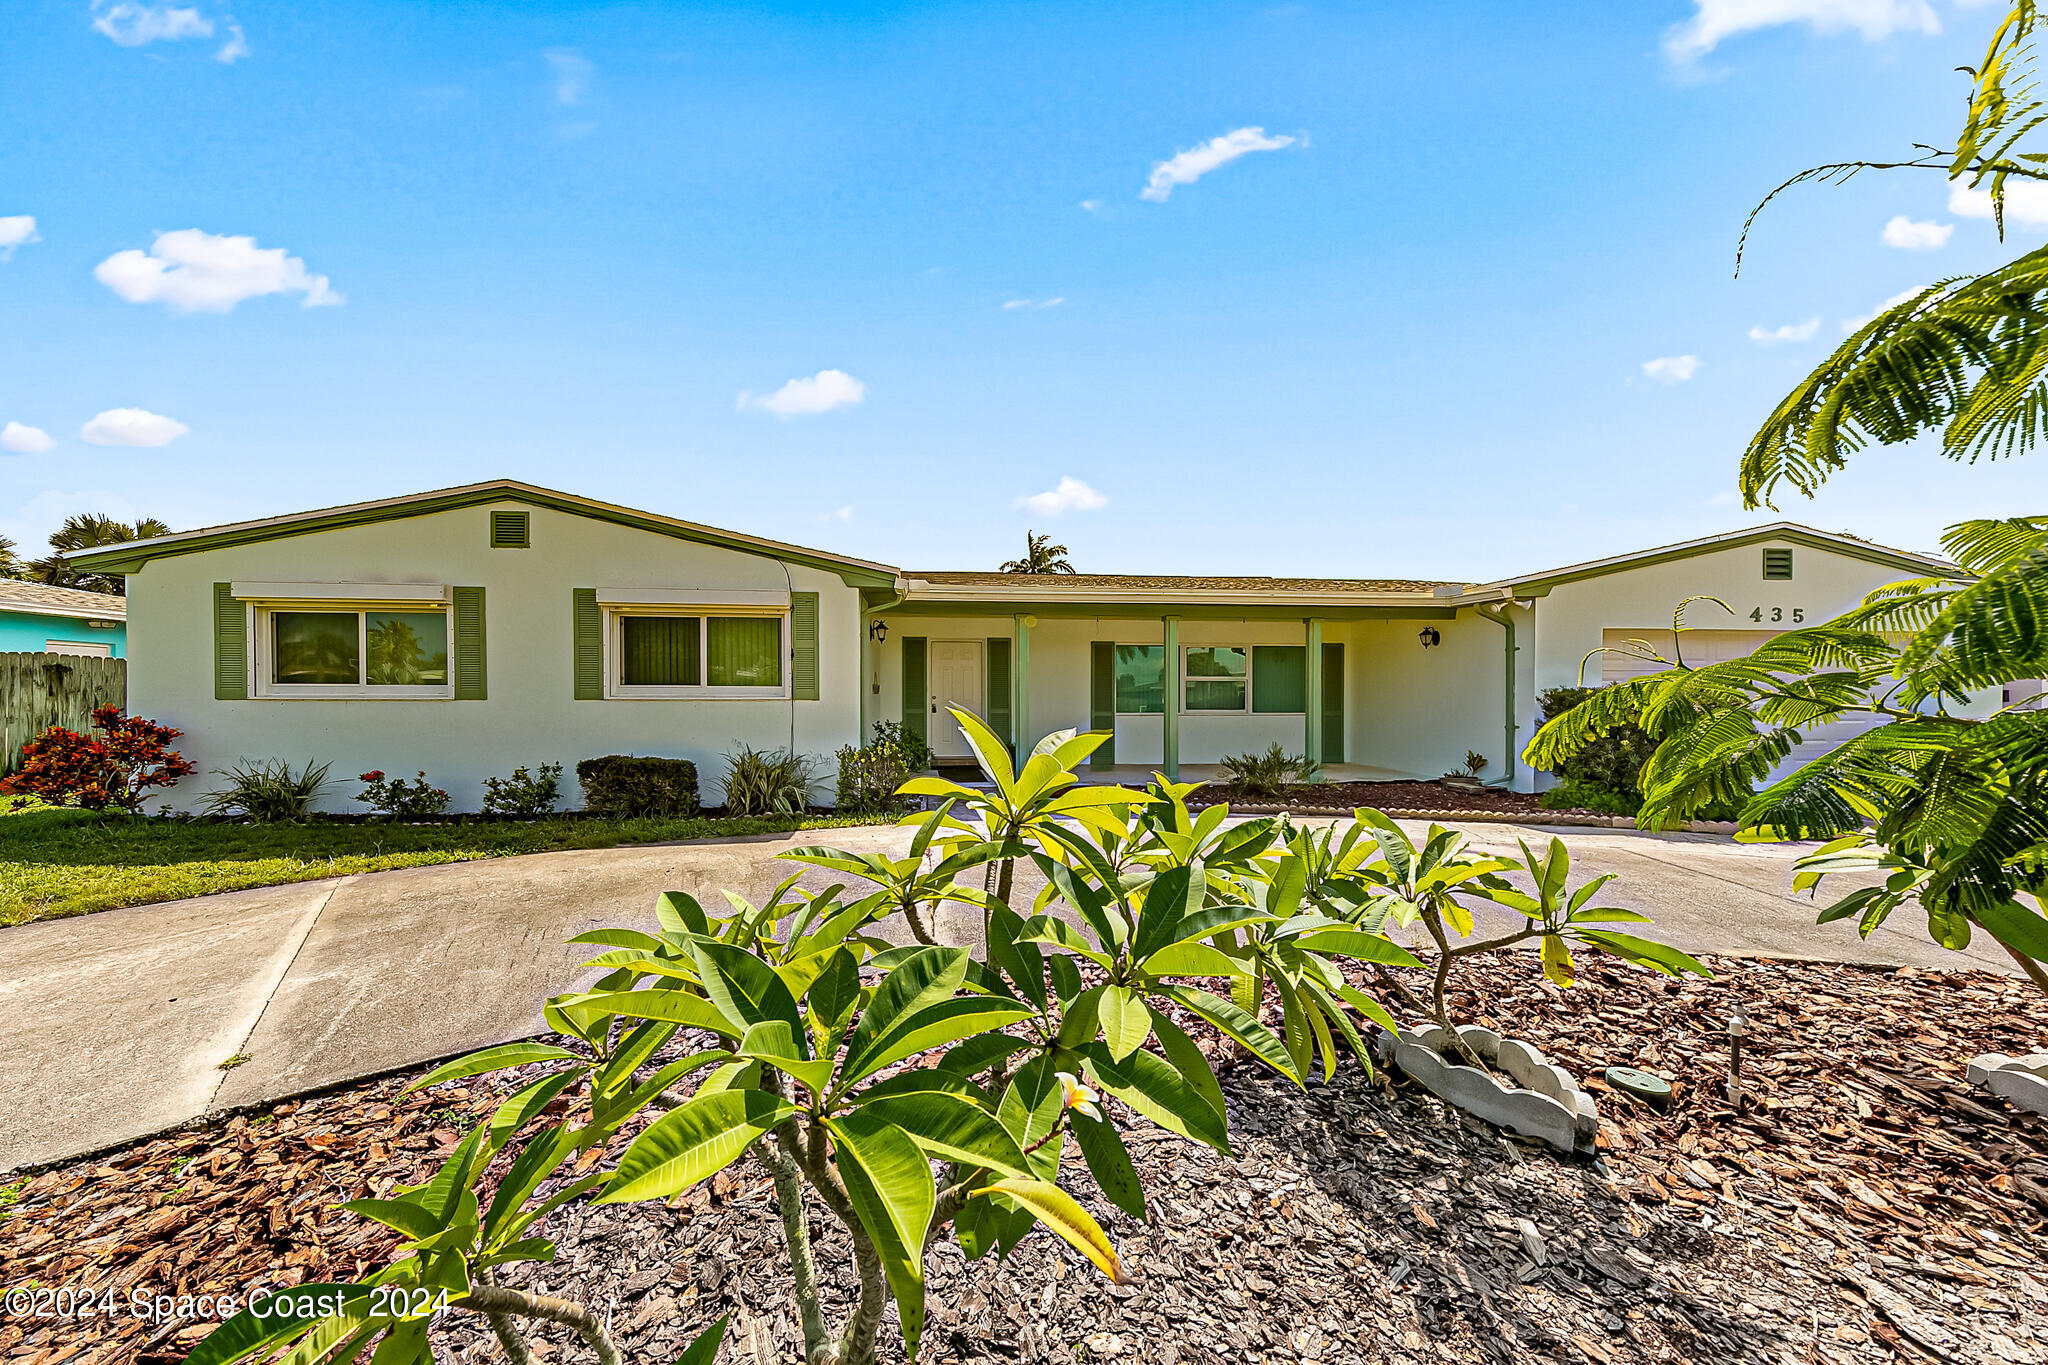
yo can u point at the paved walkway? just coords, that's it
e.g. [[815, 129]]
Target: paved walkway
[[119, 1021]]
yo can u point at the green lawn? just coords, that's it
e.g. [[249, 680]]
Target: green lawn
[[67, 862]]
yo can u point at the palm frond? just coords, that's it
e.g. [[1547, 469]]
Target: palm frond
[[1982, 545], [1991, 632]]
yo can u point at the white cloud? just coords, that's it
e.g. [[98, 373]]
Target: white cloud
[[2026, 202], [1852, 324], [199, 272], [1068, 495], [1716, 20], [1671, 369], [1907, 235], [1092, 205], [234, 49], [1011, 305], [132, 427], [19, 230], [1791, 331], [822, 392], [572, 73], [17, 439], [1185, 168], [132, 25], [838, 514]]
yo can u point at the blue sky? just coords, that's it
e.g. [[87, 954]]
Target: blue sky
[[1397, 322]]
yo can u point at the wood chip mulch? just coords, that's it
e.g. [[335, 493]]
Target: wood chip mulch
[[1867, 1205], [1433, 796]]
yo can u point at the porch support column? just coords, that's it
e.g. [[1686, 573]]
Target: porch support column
[[1171, 719], [1312, 722], [1020, 688]]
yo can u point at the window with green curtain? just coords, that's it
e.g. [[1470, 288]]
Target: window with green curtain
[[745, 651], [1280, 678], [1215, 678], [407, 649], [1140, 680], [660, 651], [316, 647]]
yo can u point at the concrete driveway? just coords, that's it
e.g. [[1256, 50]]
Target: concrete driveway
[[120, 1021]]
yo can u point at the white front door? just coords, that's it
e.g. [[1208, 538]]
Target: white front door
[[955, 668]]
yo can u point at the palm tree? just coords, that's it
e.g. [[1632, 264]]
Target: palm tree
[[1040, 557], [89, 531], [10, 562]]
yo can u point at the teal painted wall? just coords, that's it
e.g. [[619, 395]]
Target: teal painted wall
[[23, 631]]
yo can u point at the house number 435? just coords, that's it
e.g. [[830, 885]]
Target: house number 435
[[1774, 614]]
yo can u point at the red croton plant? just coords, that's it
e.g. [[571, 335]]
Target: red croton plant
[[115, 767]]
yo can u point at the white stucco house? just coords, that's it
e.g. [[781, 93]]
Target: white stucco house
[[470, 630]]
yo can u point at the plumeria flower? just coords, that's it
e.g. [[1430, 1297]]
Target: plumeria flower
[[1078, 1094]]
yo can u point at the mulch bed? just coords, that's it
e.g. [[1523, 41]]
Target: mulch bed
[[1867, 1206], [1376, 795]]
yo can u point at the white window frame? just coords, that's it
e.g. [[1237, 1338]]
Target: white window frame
[[263, 631], [1186, 678], [616, 689], [80, 649]]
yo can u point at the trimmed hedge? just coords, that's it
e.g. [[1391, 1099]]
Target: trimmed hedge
[[633, 785]]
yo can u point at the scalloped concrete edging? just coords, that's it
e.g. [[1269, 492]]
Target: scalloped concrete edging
[[1550, 1106], [2020, 1081], [1499, 817]]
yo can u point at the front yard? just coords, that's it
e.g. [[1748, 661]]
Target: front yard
[[55, 863]]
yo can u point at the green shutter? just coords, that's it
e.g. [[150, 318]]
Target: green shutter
[[998, 688], [1333, 703], [913, 687], [588, 623], [469, 644], [230, 645], [803, 645], [511, 531], [1102, 700], [1280, 678]]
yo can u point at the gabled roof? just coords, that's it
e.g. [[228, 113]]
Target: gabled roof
[[129, 557], [40, 599], [1904, 561], [1082, 583]]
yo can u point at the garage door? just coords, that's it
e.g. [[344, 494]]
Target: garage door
[[1718, 646]]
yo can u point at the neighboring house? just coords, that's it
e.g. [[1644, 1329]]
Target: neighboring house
[[38, 619], [473, 629]]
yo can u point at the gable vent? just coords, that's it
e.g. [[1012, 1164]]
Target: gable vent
[[510, 531], [1777, 563]]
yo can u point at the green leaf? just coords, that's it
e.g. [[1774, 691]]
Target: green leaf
[[246, 1333], [947, 1021], [2018, 928], [888, 1178], [535, 1163], [1055, 1208], [703, 1349], [1109, 1161], [692, 1142], [836, 991], [1126, 1021], [404, 1214], [678, 913], [949, 1126], [500, 1058], [665, 1003], [1187, 1058], [1361, 947], [1190, 959], [1662, 956], [1239, 1025], [774, 1042], [514, 1113], [923, 977], [1060, 934], [1158, 1090], [742, 987]]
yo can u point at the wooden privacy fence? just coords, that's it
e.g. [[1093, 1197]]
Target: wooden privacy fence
[[41, 690]]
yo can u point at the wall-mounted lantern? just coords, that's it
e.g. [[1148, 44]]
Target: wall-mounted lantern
[[1431, 637], [878, 630]]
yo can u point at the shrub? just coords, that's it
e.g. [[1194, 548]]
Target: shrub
[[1265, 774], [624, 786], [523, 794], [267, 793], [768, 781], [1475, 763], [400, 799], [869, 777], [1613, 761], [1577, 795], [916, 753], [116, 767]]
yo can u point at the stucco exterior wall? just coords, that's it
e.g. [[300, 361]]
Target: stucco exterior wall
[[32, 633], [1415, 712], [530, 716]]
